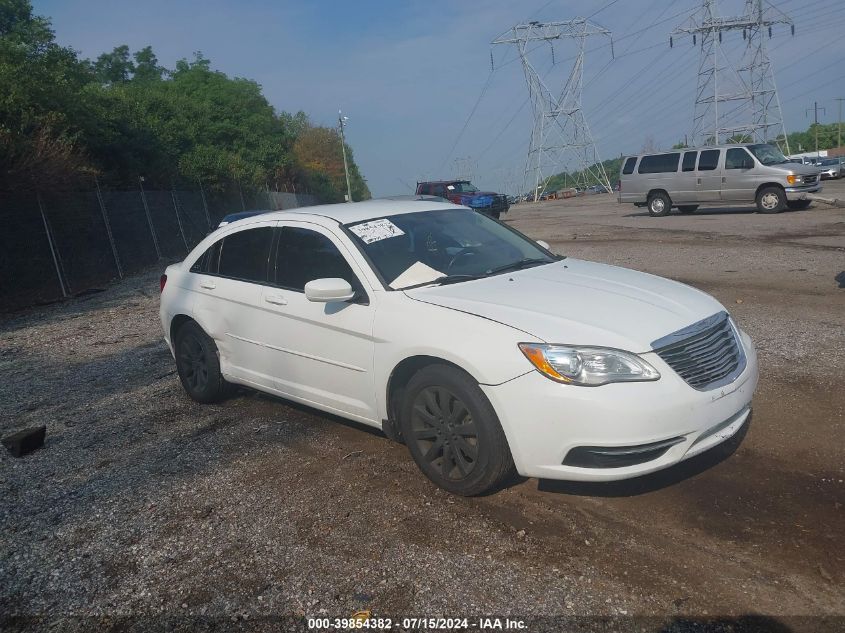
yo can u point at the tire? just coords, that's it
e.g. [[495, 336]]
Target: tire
[[453, 433], [771, 200], [659, 205], [198, 365], [688, 208], [798, 205]]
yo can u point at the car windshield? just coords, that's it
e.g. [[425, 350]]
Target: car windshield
[[462, 187], [829, 161], [768, 154], [445, 246]]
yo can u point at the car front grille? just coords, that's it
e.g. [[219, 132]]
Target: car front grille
[[809, 180], [500, 203], [706, 354]]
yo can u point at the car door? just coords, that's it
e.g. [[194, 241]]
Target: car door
[[229, 285], [739, 176], [685, 188], [322, 353], [709, 176]]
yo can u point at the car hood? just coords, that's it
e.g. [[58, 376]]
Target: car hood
[[799, 168], [580, 303]]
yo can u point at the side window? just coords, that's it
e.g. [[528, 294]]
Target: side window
[[438, 190], [689, 161], [738, 158], [424, 189], [659, 163], [304, 255], [244, 255], [709, 160], [629, 165]]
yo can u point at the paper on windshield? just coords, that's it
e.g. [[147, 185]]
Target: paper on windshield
[[376, 230], [417, 273]]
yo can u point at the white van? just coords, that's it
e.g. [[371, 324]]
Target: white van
[[685, 178]]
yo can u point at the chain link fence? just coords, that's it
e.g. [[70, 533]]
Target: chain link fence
[[56, 244]]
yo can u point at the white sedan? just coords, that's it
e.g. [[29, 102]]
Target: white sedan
[[452, 332]]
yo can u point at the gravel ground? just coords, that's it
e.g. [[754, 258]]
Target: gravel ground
[[145, 510]]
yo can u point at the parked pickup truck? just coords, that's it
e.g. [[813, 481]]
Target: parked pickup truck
[[466, 194]]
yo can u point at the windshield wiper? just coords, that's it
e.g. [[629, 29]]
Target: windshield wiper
[[519, 265], [443, 281]]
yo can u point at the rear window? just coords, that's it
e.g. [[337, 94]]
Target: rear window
[[659, 163], [709, 160], [689, 161], [629, 165]]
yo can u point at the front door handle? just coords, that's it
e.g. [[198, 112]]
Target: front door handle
[[210, 285], [278, 300], [724, 180], [698, 181]]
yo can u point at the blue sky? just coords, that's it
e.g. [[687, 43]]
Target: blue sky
[[408, 74]]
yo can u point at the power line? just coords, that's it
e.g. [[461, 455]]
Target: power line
[[466, 123]]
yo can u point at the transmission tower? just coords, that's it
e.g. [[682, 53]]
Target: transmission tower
[[736, 100], [560, 136]]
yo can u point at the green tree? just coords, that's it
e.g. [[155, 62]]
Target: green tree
[[124, 115], [146, 65], [115, 67], [40, 99]]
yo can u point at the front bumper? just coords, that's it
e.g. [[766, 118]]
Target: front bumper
[[800, 193], [543, 420]]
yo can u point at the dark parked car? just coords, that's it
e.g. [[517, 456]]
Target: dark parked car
[[466, 194], [233, 217]]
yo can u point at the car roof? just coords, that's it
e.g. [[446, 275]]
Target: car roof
[[441, 182], [697, 148], [349, 212]]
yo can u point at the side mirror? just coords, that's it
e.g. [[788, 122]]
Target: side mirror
[[328, 290], [544, 244]]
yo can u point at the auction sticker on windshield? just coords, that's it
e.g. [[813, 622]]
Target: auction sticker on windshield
[[376, 230]]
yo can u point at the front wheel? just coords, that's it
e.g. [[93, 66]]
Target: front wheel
[[453, 432], [771, 200], [688, 208], [659, 204], [798, 205]]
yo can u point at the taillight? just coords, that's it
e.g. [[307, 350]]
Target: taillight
[[162, 281]]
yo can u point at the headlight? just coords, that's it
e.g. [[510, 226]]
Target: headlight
[[587, 366], [793, 179]]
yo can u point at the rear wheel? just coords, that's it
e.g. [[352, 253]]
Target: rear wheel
[[687, 208], [771, 200], [798, 205], [198, 364], [453, 432], [659, 204]]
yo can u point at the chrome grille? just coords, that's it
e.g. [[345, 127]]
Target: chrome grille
[[706, 354], [809, 180]]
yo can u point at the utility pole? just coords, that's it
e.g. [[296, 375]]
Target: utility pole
[[560, 132], [748, 88], [815, 110], [341, 120], [839, 120]]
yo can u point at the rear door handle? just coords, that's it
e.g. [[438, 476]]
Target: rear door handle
[[724, 179], [210, 285], [698, 181], [278, 300]]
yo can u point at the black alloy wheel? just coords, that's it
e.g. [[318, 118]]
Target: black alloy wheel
[[198, 364], [453, 432], [444, 432]]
